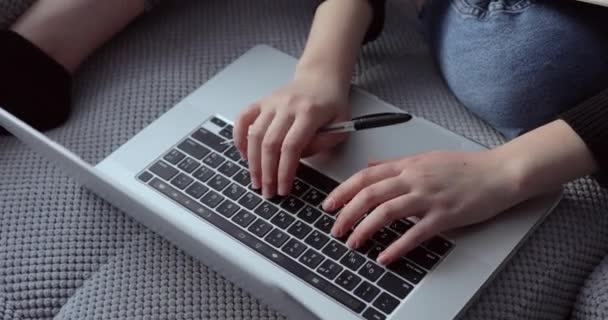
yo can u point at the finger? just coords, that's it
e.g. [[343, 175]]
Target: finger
[[244, 121], [297, 138], [348, 189], [323, 142], [375, 162], [367, 199], [400, 207], [271, 148], [254, 141], [426, 228]]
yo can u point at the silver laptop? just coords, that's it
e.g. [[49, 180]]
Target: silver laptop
[[177, 178]]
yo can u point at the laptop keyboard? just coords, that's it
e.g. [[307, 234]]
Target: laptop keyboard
[[212, 181]]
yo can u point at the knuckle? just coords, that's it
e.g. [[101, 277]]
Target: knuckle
[[387, 211], [290, 147], [271, 145], [369, 195]]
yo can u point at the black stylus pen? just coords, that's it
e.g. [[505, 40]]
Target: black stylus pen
[[369, 121]]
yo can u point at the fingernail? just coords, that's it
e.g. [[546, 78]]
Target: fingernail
[[382, 259], [352, 244], [283, 191], [336, 232], [329, 204], [255, 184]]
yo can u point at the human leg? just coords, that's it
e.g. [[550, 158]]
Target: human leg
[[518, 63]]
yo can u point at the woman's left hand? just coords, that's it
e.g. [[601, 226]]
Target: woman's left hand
[[444, 189]]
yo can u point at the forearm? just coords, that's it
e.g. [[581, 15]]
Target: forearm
[[545, 158], [336, 35], [69, 30]]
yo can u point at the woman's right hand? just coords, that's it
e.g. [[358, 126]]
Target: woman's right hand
[[275, 132]]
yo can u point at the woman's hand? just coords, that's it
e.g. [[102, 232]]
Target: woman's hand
[[274, 133], [444, 189]]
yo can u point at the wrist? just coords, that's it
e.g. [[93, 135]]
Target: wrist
[[514, 173], [329, 79]]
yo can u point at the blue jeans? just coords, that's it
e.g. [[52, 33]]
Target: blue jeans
[[519, 63]]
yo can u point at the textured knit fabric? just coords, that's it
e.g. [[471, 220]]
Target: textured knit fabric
[[33, 87], [65, 253], [592, 301]]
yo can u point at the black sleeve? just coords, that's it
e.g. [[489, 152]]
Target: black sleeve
[[33, 87], [590, 121], [377, 24]]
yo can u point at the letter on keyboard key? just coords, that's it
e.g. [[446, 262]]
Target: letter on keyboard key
[[196, 190], [228, 169], [386, 303], [371, 271], [352, 260], [227, 208], [233, 154], [329, 269], [193, 149], [366, 291], [242, 178], [373, 314], [316, 240], [203, 174], [213, 160], [234, 191], [292, 205], [188, 165], [260, 227], [334, 250], [299, 230], [163, 170], [250, 201], [243, 218], [218, 182], [335, 292], [276, 238], [311, 258], [407, 270], [394, 285], [266, 210], [210, 139], [314, 197], [325, 223], [282, 220], [309, 214], [174, 157], [294, 248], [348, 280], [211, 199], [181, 181]]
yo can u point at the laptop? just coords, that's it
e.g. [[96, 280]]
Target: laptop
[[177, 178]]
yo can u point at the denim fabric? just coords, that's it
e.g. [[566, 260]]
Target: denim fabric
[[519, 63]]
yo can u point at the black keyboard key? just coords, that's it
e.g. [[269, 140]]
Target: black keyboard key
[[282, 220], [407, 270], [212, 199], [365, 247], [180, 198], [401, 226], [371, 271], [244, 218], [203, 174], [299, 230], [226, 133], [181, 181], [262, 248], [329, 269], [316, 240], [174, 157], [194, 149], [218, 122], [210, 139], [334, 250], [314, 197], [260, 227], [309, 214], [423, 258], [163, 170], [299, 188], [385, 237], [366, 291], [348, 280], [250, 201], [352, 260], [145, 176], [242, 178], [266, 210], [386, 303], [294, 248], [244, 163], [395, 285], [277, 199], [196, 190], [188, 165], [233, 154], [227, 208], [292, 205], [311, 258], [228, 169], [214, 160], [218, 182], [334, 292], [325, 223], [373, 314], [234, 191], [317, 179], [276, 238], [375, 251], [438, 245]]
